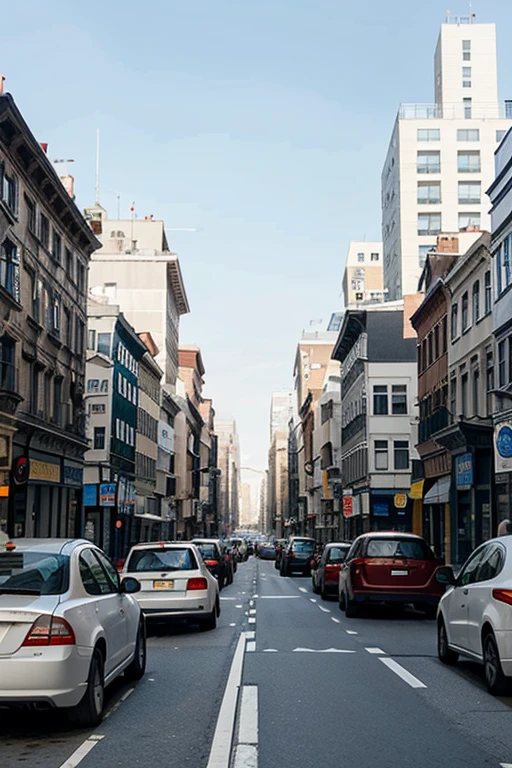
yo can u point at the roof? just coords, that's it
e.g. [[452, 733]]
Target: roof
[[45, 545], [161, 544]]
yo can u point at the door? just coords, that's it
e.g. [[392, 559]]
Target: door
[[457, 611], [108, 606], [480, 592]]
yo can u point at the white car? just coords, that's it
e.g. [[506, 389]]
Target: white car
[[474, 617], [68, 626], [175, 582]]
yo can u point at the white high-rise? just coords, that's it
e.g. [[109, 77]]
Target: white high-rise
[[440, 159]]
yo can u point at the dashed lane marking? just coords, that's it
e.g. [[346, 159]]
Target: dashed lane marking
[[325, 650], [252, 611], [251, 620], [116, 706], [82, 751], [251, 646], [312, 599], [279, 597], [397, 668], [303, 589], [325, 610], [377, 651], [351, 632]]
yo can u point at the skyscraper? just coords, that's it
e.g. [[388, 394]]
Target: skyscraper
[[281, 411]]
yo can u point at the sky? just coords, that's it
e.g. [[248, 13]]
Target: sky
[[263, 124]]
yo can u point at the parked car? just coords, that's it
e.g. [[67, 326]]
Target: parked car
[[280, 544], [213, 556], [250, 548], [297, 556], [68, 626], [389, 567], [230, 563], [266, 550], [241, 546], [175, 582], [474, 618], [325, 570]]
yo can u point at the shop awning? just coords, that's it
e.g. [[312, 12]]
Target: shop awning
[[416, 491], [440, 492]]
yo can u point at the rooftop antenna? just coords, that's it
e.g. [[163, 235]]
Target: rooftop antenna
[[470, 11], [97, 192]]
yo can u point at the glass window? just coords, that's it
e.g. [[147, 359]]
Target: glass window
[[453, 396], [99, 438], [469, 570], [56, 246], [10, 269], [360, 257], [476, 301], [57, 400], [112, 574], [429, 134], [429, 223], [488, 292], [31, 215], [381, 454], [502, 379], [10, 192], [506, 260], [44, 230], [465, 311], [70, 264], [94, 578], [161, 559], [374, 257], [470, 192], [445, 334], [499, 277], [104, 340], [399, 398], [401, 451], [464, 394], [500, 135], [467, 220], [380, 400], [411, 549], [468, 134], [422, 253], [40, 573], [467, 108], [489, 385], [466, 45], [468, 162], [429, 193], [429, 162], [491, 563], [476, 391]]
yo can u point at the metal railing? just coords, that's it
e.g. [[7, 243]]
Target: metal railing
[[432, 424], [455, 111]]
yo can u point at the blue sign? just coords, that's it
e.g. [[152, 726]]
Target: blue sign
[[73, 475], [380, 508], [464, 471], [504, 441], [107, 495], [90, 495]]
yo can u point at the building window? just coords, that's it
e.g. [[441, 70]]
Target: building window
[[506, 260], [468, 134], [467, 108], [34, 388], [429, 134], [57, 400], [453, 397], [381, 454], [424, 359], [468, 161], [327, 409], [70, 265], [79, 337], [467, 220], [436, 342], [466, 55], [81, 277], [69, 327], [510, 359], [430, 349], [91, 339], [465, 311], [422, 253], [502, 379], [429, 193], [44, 230], [466, 77], [488, 292], [7, 364], [429, 162], [464, 394], [10, 192], [499, 283], [104, 341], [445, 334], [429, 223], [380, 400], [360, 257], [10, 269], [56, 246], [489, 376], [31, 215], [374, 256], [56, 314], [476, 393], [93, 386], [500, 135], [455, 318], [466, 45], [476, 301], [99, 438], [399, 398], [401, 451], [470, 192]]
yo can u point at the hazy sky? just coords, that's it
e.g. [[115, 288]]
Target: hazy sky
[[262, 122]]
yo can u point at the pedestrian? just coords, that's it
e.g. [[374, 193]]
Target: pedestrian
[[505, 528]]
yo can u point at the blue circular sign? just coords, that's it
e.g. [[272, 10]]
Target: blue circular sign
[[504, 442]]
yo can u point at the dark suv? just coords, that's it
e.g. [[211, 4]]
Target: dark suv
[[214, 558], [297, 556]]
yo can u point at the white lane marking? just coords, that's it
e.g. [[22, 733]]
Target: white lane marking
[[312, 599], [255, 595], [246, 756], [303, 589], [251, 603], [506, 765], [250, 635], [252, 611], [228, 598], [118, 704], [238, 606], [279, 597], [397, 668], [325, 610], [378, 651], [251, 646], [315, 650], [270, 650], [223, 737], [248, 729], [83, 750], [251, 620], [351, 632], [336, 621], [233, 624]]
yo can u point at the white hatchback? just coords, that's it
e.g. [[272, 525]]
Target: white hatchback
[[68, 626], [175, 582], [474, 617]]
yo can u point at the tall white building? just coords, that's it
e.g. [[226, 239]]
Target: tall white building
[[440, 159], [282, 409]]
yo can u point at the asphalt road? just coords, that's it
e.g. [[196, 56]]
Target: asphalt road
[[307, 685]]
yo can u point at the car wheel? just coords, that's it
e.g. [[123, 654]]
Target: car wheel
[[497, 683], [210, 622], [88, 712], [444, 652], [217, 607], [350, 607], [137, 667], [282, 570]]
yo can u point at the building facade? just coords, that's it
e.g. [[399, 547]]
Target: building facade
[[363, 278], [229, 479]]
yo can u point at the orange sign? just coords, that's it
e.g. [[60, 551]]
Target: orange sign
[[347, 506], [400, 500]]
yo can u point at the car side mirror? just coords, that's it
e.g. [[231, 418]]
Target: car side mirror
[[129, 586], [445, 575]]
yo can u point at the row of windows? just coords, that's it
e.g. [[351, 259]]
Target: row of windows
[[147, 425], [398, 399], [429, 192], [125, 433], [503, 258], [126, 389], [505, 362], [127, 359], [463, 134], [400, 455], [467, 400], [145, 467], [47, 403], [429, 161], [48, 309], [433, 345], [470, 317], [99, 342], [373, 257], [430, 223], [95, 386], [149, 384]]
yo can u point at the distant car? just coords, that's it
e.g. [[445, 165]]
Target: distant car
[[250, 548], [241, 545], [232, 552], [266, 550], [325, 573], [214, 558], [280, 544], [68, 626], [474, 618], [175, 582], [389, 567], [297, 556]]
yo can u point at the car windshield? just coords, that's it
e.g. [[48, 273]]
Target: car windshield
[[336, 555], [208, 551], [161, 560], [303, 546], [38, 573], [411, 549]]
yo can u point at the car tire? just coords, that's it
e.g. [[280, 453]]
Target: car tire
[[88, 712], [137, 667], [497, 683], [217, 607], [350, 607], [210, 622], [444, 652], [282, 570]]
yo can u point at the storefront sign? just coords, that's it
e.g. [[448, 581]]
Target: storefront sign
[[347, 506], [90, 495], [380, 508], [73, 475], [464, 472], [417, 489], [44, 472], [503, 446], [165, 437], [107, 495], [400, 500]]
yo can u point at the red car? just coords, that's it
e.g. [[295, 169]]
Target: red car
[[389, 567]]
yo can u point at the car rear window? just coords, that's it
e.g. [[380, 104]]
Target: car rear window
[[40, 573], [407, 548], [336, 555], [162, 560], [303, 546]]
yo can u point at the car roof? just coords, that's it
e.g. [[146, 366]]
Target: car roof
[[301, 538], [162, 545], [390, 535], [205, 541], [337, 544], [47, 545]]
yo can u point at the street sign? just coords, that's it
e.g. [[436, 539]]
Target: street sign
[[464, 472], [347, 506], [503, 446]]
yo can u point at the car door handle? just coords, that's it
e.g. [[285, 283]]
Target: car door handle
[[465, 591]]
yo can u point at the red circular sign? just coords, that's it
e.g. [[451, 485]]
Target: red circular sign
[[21, 470], [119, 523]]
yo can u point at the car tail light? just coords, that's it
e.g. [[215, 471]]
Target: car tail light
[[211, 562], [50, 630], [332, 567], [228, 558], [197, 583], [503, 595]]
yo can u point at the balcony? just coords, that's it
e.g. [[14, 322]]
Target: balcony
[[455, 111], [10, 397], [432, 424]]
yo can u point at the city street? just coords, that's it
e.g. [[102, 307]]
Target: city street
[[327, 690]]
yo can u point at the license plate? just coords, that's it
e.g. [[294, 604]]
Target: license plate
[[163, 585], [399, 573]]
